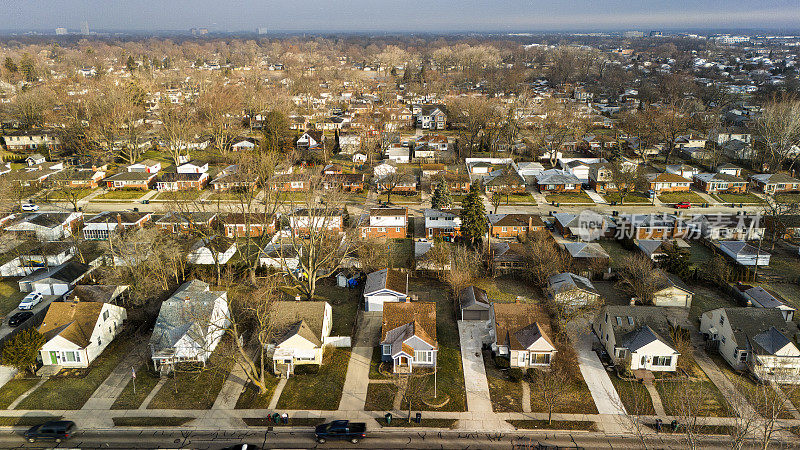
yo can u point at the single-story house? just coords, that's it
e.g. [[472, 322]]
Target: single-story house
[[514, 225], [46, 226], [744, 254], [521, 333], [211, 251], [713, 183], [556, 180], [384, 286], [571, 292], [131, 180], [668, 182], [758, 297], [408, 335], [300, 329], [775, 183], [101, 226], [640, 336]]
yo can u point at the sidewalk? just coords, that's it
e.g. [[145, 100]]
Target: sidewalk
[[597, 198], [108, 391], [232, 389]]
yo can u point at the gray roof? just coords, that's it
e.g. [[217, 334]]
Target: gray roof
[[529, 335], [187, 311], [741, 248], [586, 250], [556, 176], [649, 246], [639, 337], [765, 298], [749, 323], [473, 296], [627, 321], [567, 281]]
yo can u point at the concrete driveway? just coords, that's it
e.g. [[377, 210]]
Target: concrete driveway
[[471, 335], [603, 393]]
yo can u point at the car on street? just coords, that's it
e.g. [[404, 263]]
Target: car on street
[[341, 430], [29, 207], [17, 319], [30, 301], [683, 205], [54, 430]]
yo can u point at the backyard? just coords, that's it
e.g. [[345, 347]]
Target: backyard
[[505, 288]]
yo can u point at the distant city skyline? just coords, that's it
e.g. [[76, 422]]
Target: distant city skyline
[[389, 16]]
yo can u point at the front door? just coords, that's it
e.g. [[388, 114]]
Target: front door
[[53, 357]]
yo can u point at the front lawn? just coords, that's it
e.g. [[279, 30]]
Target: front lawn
[[579, 425], [713, 402], [380, 396], [634, 396], [399, 199], [14, 388], [292, 197], [121, 195], [10, 296], [358, 198], [26, 421], [52, 394], [581, 198], [251, 399], [151, 421], [746, 197], [516, 199], [318, 391], [193, 389], [77, 193], [577, 401], [146, 380], [630, 199], [505, 394], [374, 364], [677, 197], [187, 195]]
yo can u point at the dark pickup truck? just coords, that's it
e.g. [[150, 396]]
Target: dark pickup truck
[[341, 429]]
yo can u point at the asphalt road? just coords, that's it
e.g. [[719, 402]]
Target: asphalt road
[[153, 439]]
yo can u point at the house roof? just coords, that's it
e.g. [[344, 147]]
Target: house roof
[[73, 321], [131, 176], [391, 279], [741, 248], [473, 296], [556, 176], [586, 250], [415, 318], [667, 178], [101, 293], [304, 318], [515, 220], [627, 321], [390, 212], [771, 178], [183, 313], [753, 328], [667, 280], [508, 251], [766, 298], [565, 282], [514, 324]]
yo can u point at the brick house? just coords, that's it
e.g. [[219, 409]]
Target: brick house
[[239, 225], [774, 183], [131, 180], [720, 182], [182, 181], [386, 223], [555, 180], [514, 225], [668, 182]]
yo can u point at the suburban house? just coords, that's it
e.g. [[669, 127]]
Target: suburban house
[[185, 222], [514, 225], [775, 183], [521, 333], [639, 334], [131, 180], [577, 226], [26, 140], [442, 223], [430, 117], [653, 248], [211, 251], [101, 226], [56, 280], [474, 304], [683, 170], [46, 226], [653, 226], [291, 182], [310, 140], [729, 169], [244, 143], [193, 166], [385, 223], [408, 335], [348, 182], [739, 150], [25, 259], [585, 250], [668, 182], [571, 292], [714, 183], [669, 290], [384, 286], [248, 224], [403, 183], [601, 177], [426, 259], [304, 221], [691, 145], [729, 226], [506, 181], [556, 180], [182, 181], [189, 326], [146, 166], [758, 297], [506, 257], [300, 330], [84, 179], [759, 340], [77, 331], [743, 253], [231, 178]]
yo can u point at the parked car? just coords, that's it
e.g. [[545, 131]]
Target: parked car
[[54, 430], [17, 319], [30, 300], [29, 207], [341, 429], [683, 205]]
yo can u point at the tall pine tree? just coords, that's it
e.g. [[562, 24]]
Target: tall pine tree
[[473, 216], [441, 196]]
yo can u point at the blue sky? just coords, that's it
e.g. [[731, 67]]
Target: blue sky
[[400, 15]]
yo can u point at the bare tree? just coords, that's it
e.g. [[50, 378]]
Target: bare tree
[[627, 180], [177, 131], [779, 127], [553, 387], [638, 274], [545, 258]]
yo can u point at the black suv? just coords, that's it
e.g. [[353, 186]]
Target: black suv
[[19, 317], [54, 430]]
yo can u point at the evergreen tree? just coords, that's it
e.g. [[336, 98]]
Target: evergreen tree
[[10, 65], [21, 350], [337, 148], [441, 196], [28, 68], [130, 64], [677, 260], [473, 216]]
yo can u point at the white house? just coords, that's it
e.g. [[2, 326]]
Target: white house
[[211, 251], [20, 262], [77, 332], [756, 339], [147, 166], [300, 329], [744, 253], [193, 166], [46, 226], [384, 286], [189, 326], [571, 292], [521, 333], [56, 280], [641, 334], [408, 335], [683, 170], [442, 223]]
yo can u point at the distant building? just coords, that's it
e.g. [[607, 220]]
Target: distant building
[[61, 31], [656, 34], [262, 30], [84, 27], [633, 34]]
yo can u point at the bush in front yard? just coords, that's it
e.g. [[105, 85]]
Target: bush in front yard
[[501, 362], [306, 369], [515, 374]]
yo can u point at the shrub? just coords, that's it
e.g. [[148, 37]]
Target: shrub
[[515, 374], [306, 369], [501, 362]]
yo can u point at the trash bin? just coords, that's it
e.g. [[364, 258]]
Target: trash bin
[[674, 425], [388, 417], [285, 418], [269, 418], [418, 418], [276, 418], [659, 423]]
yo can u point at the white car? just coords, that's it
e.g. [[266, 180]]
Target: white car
[[30, 300], [30, 207]]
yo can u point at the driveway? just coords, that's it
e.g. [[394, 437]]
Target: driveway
[[603, 393], [354, 393], [471, 336]]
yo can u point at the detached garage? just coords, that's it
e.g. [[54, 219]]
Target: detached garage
[[57, 280], [474, 304], [385, 285]]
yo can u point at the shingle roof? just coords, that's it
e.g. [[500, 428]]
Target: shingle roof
[[416, 318], [305, 318], [73, 321], [386, 279], [472, 295], [513, 322]]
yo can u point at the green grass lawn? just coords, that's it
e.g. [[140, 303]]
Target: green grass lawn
[[151, 421], [677, 197], [146, 380], [516, 199], [749, 389], [380, 396], [706, 297], [458, 198], [318, 391], [251, 399], [506, 395], [713, 402], [10, 296], [570, 198], [783, 264], [374, 364], [121, 195], [187, 195], [506, 288], [580, 425], [344, 305], [193, 390], [14, 388], [616, 251], [398, 199], [77, 193], [634, 396], [398, 422], [578, 401], [699, 254], [630, 199], [788, 198], [358, 198], [223, 196], [51, 394], [746, 197]]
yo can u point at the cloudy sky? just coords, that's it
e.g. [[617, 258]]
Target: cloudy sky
[[400, 15]]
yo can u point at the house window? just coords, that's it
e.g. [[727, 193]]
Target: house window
[[105, 315], [662, 360], [387, 349], [99, 342], [399, 229], [540, 358], [722, 320], [521, 358], [71, 356], [743, 357], [723, 339], [423, 356], [643, 362]]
